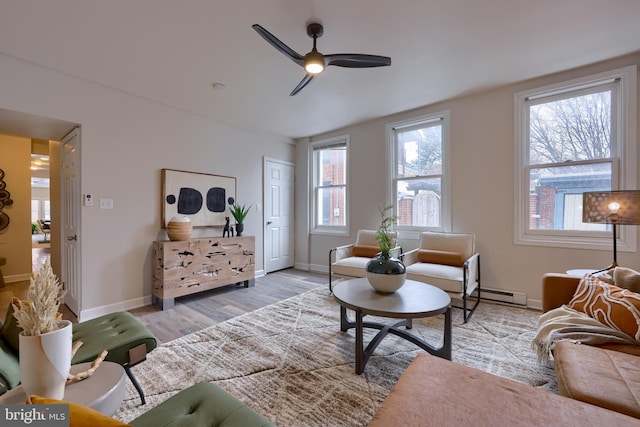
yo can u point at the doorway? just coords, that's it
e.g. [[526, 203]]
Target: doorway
[[33, 127], [278, 192]]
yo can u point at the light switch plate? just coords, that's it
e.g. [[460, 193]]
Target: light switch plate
[[106, 203]]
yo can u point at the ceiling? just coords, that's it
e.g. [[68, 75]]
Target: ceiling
[[172, 52]]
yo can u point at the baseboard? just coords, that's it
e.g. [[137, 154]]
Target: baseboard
[[501, 295], [17, 278], [92, 313]]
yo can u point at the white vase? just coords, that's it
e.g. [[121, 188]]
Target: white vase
[[386, 274], [45, 361]]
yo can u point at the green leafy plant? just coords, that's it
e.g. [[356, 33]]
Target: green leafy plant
[[387, 243], [34, 228], [239, 212]]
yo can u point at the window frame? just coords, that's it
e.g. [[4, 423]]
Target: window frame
[[442, 117], [315, 147], [622, 158]]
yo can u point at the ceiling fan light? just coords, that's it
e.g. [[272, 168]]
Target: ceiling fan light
[[314, 63]]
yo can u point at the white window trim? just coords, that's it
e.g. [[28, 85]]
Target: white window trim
[[625, 147], [410, 232], [334, 230]]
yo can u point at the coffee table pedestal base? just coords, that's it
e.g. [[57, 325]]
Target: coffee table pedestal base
[[363, 354]]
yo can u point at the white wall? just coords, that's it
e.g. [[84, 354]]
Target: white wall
[[126, 141], [482, 173]]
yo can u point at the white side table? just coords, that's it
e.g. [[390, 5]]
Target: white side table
[[103, 391]]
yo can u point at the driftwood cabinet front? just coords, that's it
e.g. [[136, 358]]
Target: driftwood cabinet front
[[189, 266]]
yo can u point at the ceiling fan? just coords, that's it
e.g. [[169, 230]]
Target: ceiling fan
[[315, 62]]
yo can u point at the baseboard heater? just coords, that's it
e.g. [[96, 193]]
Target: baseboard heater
[[516, 298]]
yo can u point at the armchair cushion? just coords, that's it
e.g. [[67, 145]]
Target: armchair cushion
[[441, 257], [365, 251], [462, 243], [367, 238]]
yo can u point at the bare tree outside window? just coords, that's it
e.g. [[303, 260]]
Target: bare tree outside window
[[569, 153]]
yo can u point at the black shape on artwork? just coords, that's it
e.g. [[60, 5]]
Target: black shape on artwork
[[171, 199], [189, 201], [231, 201], [215, 199]]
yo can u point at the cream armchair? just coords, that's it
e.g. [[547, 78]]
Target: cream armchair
[[448, 261], [351, 260]]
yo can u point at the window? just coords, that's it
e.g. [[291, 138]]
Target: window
[[571, 138], [329, 179], [419, 172]]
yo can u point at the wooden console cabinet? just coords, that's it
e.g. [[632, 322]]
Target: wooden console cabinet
[[186, 267]]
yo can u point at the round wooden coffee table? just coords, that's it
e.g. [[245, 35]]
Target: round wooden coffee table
[[103, 391], [412, 301]]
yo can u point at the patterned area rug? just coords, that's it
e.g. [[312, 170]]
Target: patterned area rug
[[290, 361]]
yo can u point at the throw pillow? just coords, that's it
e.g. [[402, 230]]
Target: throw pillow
[[365, 251], [626, 278], [80, 415], [10, 330], [440, 257], [611, 305]]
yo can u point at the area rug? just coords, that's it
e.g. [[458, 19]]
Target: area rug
[[290, 362]]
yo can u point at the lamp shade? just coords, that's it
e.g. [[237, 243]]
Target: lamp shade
[[611, 207]]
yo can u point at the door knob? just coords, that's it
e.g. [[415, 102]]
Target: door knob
[[71, 238], [268, 222]]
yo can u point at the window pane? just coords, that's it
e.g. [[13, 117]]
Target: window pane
[[331, 166], [331, 206], [419, 202], [555, 194], [576, 128], [419, 151], [35, 210], [47, 209]]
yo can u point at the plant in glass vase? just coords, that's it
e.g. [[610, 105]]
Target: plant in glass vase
[[239, 213], [384, 273]]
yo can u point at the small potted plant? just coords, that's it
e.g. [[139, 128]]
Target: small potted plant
[[239, 213], [384, 273], [385, 239]]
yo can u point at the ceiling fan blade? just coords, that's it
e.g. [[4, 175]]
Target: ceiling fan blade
[[356, 60], [305, 81], [275, 42]]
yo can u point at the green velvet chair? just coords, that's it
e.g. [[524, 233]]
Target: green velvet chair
[[126, 339]]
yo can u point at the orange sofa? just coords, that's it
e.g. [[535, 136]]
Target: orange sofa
[[607, 375]]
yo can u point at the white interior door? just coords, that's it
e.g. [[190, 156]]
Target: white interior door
[[278, 214], [70, 147]]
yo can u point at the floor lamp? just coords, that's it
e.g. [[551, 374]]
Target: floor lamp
[[611, 207]]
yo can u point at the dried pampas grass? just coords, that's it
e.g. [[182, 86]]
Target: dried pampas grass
[[39, 314]]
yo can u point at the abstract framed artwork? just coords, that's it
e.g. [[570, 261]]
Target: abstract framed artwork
[[201, 197]]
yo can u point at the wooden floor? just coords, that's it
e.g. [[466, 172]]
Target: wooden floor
[[194, 312]]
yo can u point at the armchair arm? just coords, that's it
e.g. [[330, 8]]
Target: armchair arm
[[397, 252], [557, 289], [473, 271], [340, 252], [410, 257]]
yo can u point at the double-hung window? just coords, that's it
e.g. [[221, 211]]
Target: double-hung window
[[329, 179], [419, 172], [572, 138]]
